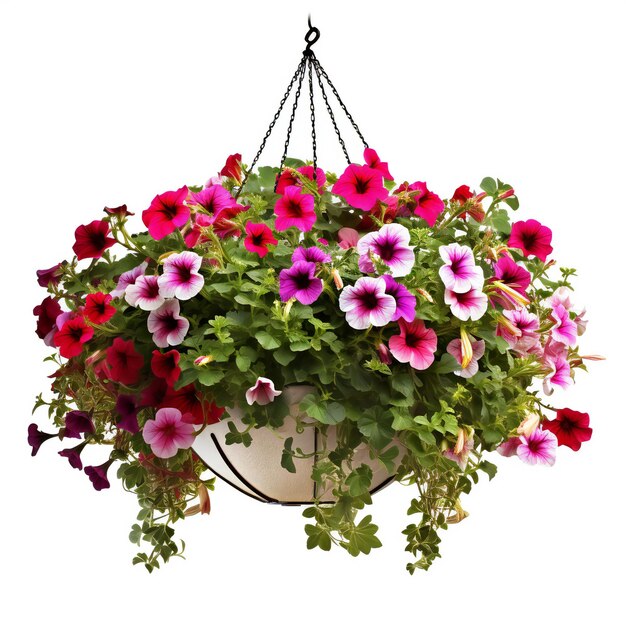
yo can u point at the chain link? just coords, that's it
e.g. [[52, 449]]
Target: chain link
[[312, 107]]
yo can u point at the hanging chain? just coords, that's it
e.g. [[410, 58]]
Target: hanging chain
[[310, 63]]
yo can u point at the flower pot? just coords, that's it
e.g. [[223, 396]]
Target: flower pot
[[256, 470]]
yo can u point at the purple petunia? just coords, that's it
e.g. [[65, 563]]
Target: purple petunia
[[299, 282]]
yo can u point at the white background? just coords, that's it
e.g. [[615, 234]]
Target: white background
[[104, 103]]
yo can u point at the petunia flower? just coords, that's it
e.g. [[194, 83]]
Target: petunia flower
[[119, 211], [167, 326], [288, 178], [47, 313], [348, 238], [258, 237], [195, 407], [415, 344], [539, 447], [98, 475], [529, 424], [262, 392], [564, 330], [123, 362], [92, 240], [521, 330], [145, 293], [460, 457], [73, 455], [127, 409], [181, 278], [232, 168], [37, 437], [509, 275], [571, 428], [154, 394], [423, 202], [312, 254], [405, 300], [299, 282], [128, 278], [470, 201], [51, 276], [561, 296], [372, 160], [166, 213], [459, 271], [72, 337], [391, 245], [77, 423], [384, 355], [478, 350], [366, 303], [559, 375], [98, 308], [469, 305], [166, 365], [295, 209], [212, 199], [223, 224], [360, 186], [509, 447], [532, 238], [167, 433]]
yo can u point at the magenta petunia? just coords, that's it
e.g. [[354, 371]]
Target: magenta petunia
[[181, 277], [145, 293], [73, 455], [37, 437], [98, 475], [78, 423], [166, 213], [565, 329], [167, 433], [262, 392], [288, 178], [127, 408], [509, 447], [459, 271], [92, 240], [258, 237], [428, 205], [532, 238], [372, 160], [538, 447], [312, 254], [509, 277], [405, 300], [560, 374], [366, 303], [469, 305], [128, 278], [299, 282], [213, 199], [521, 330], [360, 186], [167, 326], [295, 209], [391, 245], [478, 350], [223, 224], [415, 344], [72, 336]]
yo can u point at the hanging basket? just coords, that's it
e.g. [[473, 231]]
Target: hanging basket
[[256, 470]]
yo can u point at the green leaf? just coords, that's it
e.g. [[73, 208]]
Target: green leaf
[[359, 480], [501, 222], [317, 537], [267, 341], [209, 376], [489, 186], [135, 534], [376, 425], [403, 383], [489, 468], [284, 356], [445, 365], [363, 537], [286, 460]]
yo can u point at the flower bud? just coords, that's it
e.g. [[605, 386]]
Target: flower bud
[[203, 360], [337, 279], [507, 194], [383, 354], [529, 424]]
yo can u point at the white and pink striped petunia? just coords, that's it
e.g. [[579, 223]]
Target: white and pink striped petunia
[[181, 278], [459, 271], [391, 245], [144, 293], [167, 326], [538, 447], [262, 392], [471, 304], [366, 303]]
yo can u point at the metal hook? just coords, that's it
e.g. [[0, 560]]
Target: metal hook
[[311, 37]]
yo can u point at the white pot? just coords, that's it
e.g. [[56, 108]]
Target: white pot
[[256, 470]]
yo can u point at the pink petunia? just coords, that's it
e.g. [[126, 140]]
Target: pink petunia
[[166, 213], [366, 303], [167, 326], [538, 447], [559, 375], [360, 186], [311, 254], [145, 293], [565, 329], [181, 278], [295, 209], [288, 178], [509, 447], [469, 305], [213, 199], [391, 245], [167, 433], [348, 238], [461, 457], [532, 238], [459, 271], [262, 392], [561, 296], [521, 331], [128, 278], [478, 350], [509, 275], [415, 344], [223, 224], [372, 160], [258, 237]]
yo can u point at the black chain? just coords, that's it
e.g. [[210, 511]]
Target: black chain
[[308, 62]]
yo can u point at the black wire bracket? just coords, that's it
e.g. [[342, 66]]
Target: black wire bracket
[[308, 64]]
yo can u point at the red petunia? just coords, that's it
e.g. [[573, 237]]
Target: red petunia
[[259, 236], [123, 362], [532, 238], [92, 240], [98, 308], [360, 186], [72, 336], [232, 168], [570, 427], [166, 213], [194, 406], [223, 224], [462, 194], [47, 313], [165, 365]]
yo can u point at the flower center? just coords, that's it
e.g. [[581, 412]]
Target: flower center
[[257, 240], [370, 301], [411, 340], [76, 333], [361, 186], [98, 240], [386, 250], [529, 240], [170, 323], [302, 281], [153, 289], [295, 209], [184, 274], [170, 210]]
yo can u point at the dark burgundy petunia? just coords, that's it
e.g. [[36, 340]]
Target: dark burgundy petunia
[[165, 365], [570, 427], [127, 409], [124, 363], [119, 211], [72, 336], [92, 240], [98, 475], [73, 455], [36, 437], [98, 308], [48, 311], [50, 276], [193, 405], [76, 423], [154, 394], [232, 168]]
